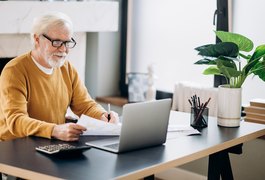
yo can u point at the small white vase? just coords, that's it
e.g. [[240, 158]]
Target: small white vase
[[151, 93], [229, 106]]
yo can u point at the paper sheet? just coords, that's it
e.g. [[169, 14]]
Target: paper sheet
[[175, 131], [98, 127]]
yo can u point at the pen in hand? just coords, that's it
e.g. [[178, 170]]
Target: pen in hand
[[108, 112]]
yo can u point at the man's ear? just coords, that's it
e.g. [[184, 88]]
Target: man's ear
[[36, 39]]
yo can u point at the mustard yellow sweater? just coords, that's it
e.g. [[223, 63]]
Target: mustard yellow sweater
[[32, 102]]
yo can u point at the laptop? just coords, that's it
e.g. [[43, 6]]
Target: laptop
[[144, 125]]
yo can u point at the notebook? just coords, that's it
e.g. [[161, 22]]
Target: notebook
[[144, 125]]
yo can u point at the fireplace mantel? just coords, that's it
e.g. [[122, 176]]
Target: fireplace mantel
[[88, 16]]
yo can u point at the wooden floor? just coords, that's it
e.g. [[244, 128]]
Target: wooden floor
[[178, 173]]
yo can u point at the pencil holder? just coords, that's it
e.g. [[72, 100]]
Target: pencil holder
[[199, 117]]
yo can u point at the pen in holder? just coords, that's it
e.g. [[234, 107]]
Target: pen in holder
[[199, 117], [199, 112]]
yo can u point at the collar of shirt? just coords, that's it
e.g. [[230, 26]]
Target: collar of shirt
[[44, 69]]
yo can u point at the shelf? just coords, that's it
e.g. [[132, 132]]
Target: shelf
[[94, 16], [117, 101]]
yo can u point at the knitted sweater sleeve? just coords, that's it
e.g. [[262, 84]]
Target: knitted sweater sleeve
[[81, 101], [14, 107]]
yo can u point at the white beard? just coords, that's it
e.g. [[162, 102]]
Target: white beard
[[56, 63]]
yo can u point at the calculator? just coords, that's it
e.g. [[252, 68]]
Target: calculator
[[61, 148]]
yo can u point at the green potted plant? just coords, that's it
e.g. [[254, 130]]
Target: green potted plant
[[227, 59]]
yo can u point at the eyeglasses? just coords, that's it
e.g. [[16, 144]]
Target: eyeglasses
[[58, 43]]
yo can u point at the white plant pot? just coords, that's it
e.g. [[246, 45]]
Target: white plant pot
[[229, 106]]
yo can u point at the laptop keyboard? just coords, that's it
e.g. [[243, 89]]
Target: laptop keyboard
[[113, 146]]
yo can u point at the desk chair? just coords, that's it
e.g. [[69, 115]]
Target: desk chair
[[3, 62]]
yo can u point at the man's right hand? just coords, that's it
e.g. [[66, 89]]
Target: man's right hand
[[68, 131]]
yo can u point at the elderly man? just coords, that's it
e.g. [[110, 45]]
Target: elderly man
[[36, 88]]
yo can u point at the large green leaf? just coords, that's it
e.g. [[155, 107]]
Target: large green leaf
[[249, 66], [226, 63], [222, 58], [229, 58], [257, 55], [229, 72], [203, 47], [259, 52], [259, 70], [212, 70], [243, 42], [247, 57], [227, 69], [206, 61], [220, 49]]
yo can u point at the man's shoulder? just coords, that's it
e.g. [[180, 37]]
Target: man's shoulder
[[19, 60], [16, 68]]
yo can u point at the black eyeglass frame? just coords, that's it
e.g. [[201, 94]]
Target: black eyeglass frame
[[66, 43]]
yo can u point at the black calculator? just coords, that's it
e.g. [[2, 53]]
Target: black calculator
[[61, 148]]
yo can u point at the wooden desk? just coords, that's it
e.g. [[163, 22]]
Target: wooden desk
[[19, 158]]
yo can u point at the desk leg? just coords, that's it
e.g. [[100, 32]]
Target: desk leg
[[219, 164], [151, 177]]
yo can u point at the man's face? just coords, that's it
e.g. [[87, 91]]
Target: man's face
[[53, 57]]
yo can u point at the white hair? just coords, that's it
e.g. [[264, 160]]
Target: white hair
[[42, 24]]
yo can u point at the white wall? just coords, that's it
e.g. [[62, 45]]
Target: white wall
[[167, 31], [247, 19], [102, 64]]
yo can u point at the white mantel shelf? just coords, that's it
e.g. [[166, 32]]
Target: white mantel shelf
[[92, 16]]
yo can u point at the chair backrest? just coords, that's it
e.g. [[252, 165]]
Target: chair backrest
[[185, 90], [3, 62]]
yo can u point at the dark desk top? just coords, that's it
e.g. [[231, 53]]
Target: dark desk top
[[18, 157]]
